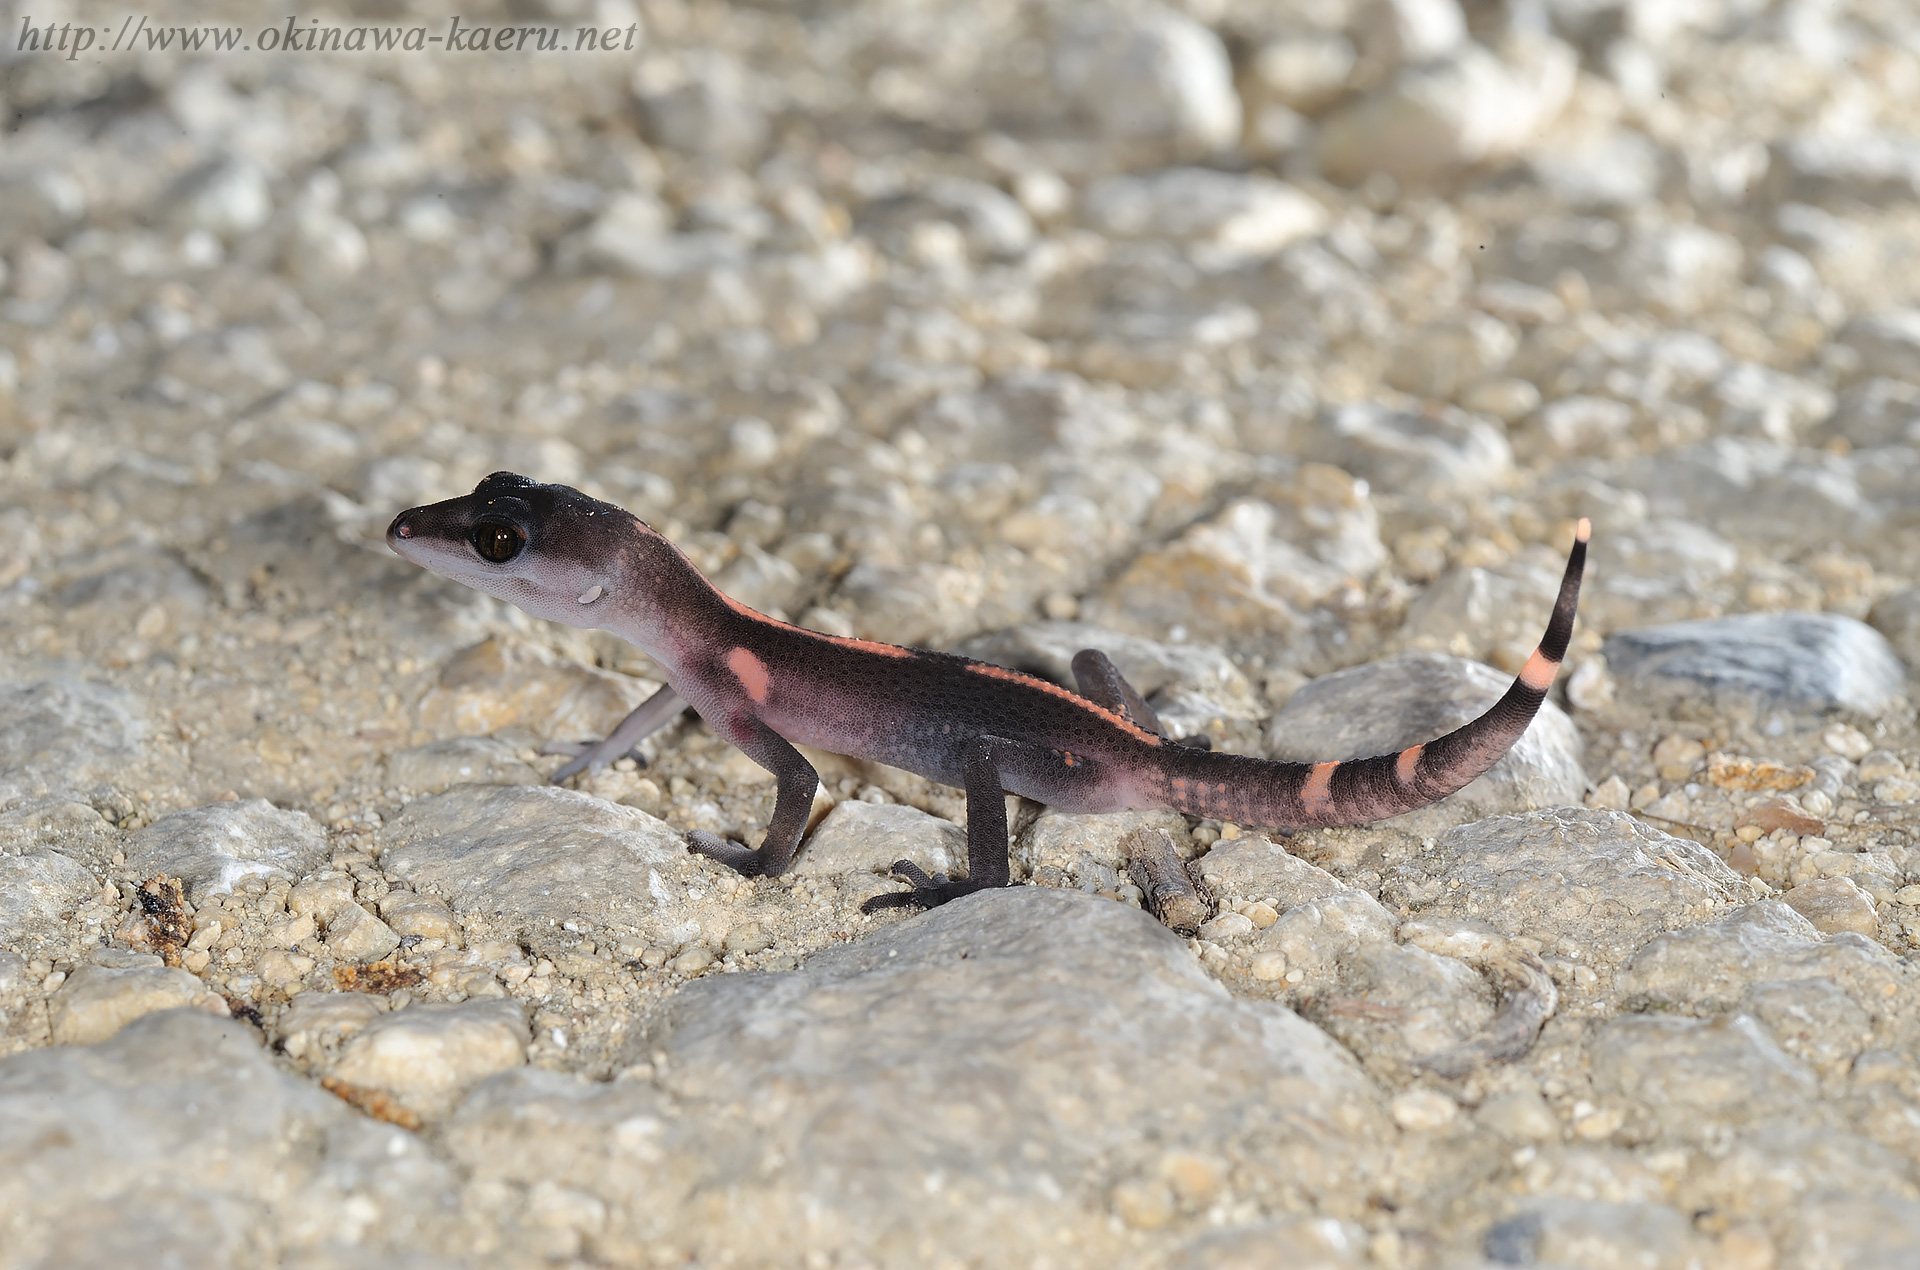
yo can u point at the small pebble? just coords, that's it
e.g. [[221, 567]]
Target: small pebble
[[1423, 1110]]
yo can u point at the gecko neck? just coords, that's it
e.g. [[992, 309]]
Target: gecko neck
[[661, 603]]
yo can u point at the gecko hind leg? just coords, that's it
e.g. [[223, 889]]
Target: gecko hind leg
[[1101, 682], [988, 762]]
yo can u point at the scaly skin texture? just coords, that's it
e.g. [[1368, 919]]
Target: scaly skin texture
[[764, 685]]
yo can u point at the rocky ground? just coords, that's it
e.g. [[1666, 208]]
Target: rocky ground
[[1271, 347]]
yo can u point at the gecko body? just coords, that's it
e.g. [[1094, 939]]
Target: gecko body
[[765, 685]]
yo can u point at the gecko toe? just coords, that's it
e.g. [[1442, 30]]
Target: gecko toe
[[742, 860], [930, 893]]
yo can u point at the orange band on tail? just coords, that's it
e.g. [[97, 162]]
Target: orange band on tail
[[1316, 796], [1539, 671]]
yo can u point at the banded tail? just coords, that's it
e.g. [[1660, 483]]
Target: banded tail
[[1254, 791]]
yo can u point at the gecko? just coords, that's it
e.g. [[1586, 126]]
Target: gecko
[[766, 686]]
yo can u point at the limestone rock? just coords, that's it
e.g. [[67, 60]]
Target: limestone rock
[[504, 681], [1144, 73], [39, 893], [1686, 1074], [1713, 966], [464, 760], [711, 108], [1386, 706], [64, 734], [1598, 883], [1452, 113], [356, 936], [524, 859], [907, 1035], [1233, 217], [1897, 617], [426, 1056], [97, 1001], [1566, 1231], [857, 836], [180, 1139], [212, 848], [1444, 452], [1801, 662]]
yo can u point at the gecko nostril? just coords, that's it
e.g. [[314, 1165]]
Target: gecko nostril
[[403, 530]]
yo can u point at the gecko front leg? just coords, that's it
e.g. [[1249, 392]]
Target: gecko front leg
[[792, 804]]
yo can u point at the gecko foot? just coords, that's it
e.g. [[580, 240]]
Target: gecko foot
[[742, 860], [588, 754], [927, 892]]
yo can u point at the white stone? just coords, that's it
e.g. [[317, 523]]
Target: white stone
[[1147, 73], [1239, 216], [428, 1055], [1437, 118]]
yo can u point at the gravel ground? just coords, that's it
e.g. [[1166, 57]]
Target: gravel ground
[[1271, 347]]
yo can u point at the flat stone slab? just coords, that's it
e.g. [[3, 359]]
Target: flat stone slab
[[1011, 1070], [212, 848], [181, 1141], [1596, 882]]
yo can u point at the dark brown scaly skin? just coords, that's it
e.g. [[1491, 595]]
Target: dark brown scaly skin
[[765, 685]]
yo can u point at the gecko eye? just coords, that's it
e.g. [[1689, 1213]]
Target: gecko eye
[[498, 543]]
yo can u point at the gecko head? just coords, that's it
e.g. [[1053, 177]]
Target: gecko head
[[548, 549]]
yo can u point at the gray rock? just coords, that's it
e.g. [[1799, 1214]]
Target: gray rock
[[869, 837], [1396, 1004], [97, 1001], [229, 199], [1384, 707], [1256, 867], [1087, 849], [1897, 616], [1875, 168], [211, 848], [1876, 412], [39, 892], [1799, 662], [970, 1077], [995, 225], [427, 1056], [1447, 114], [1686, 1074], [1861, 1232], [181, 1141], [1888, 343], [1236, 216], [465, 760], [1592, 884], [356, 936], [1443, 455], [1556, 1231], [713, 108], [1755, 490], [1677, 270], [64, 734], [1654, 571], [1147, 74], [1815, 1020], [533, 862], [1713, 966], [56, 822]]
